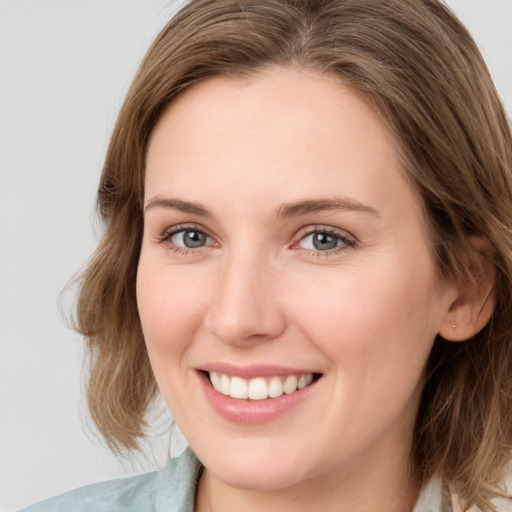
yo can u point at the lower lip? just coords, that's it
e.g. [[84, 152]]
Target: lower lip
[[252, 411]]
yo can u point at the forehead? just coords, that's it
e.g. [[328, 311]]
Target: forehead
[[281, 127], [296, 94]]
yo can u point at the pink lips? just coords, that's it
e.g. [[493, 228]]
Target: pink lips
[[252, 371], [249, 411]]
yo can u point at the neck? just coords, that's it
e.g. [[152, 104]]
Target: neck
[[389, 486]]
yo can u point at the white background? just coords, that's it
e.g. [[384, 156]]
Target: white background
[[64, 67]]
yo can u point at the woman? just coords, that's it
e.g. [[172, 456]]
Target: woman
[[308, 254]]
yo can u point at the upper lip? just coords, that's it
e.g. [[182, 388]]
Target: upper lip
[[254, 370]]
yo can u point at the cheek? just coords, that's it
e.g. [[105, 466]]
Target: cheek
[[372, 320], [169, 309]]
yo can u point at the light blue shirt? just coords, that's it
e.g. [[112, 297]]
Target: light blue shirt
[[172, 489]]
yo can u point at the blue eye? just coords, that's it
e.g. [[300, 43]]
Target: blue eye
[[189, 238], [325, 241]]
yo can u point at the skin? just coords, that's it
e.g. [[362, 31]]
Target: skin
[[364, 315]]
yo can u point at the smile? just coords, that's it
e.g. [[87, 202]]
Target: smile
[[258, 388], [257, 394]]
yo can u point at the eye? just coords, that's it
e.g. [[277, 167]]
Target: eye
[[185, 239], [325, 240], [189, 238]]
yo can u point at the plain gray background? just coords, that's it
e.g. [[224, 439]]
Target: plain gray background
[[64, 68]]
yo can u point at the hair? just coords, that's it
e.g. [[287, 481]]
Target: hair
[[421, 70]]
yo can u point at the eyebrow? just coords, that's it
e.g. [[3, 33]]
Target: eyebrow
[[177, 204], [295, 209], [299, 208]]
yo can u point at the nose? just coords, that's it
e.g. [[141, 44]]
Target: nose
[[246, 309]]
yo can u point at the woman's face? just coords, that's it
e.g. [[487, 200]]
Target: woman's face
[[283, 247]]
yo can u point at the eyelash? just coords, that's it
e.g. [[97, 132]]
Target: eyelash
[[166, 238], [346, 240]]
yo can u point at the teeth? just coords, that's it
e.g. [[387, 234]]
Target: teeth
[[290, 385], [214, 377], [224, 385], [258, 388], [238, 388], [275, 387], [305, 380]]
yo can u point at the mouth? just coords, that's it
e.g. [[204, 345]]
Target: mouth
[[259, 388], [255, 394]]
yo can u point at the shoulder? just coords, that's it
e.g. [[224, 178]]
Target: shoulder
[[113, 495], [171, 489]]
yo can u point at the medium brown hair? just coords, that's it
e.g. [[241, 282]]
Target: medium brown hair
[[419, 67]]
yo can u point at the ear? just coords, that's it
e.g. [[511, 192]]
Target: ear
[[475, 296]]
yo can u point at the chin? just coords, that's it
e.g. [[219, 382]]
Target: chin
[[258, 477], [257, 469]]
